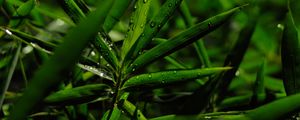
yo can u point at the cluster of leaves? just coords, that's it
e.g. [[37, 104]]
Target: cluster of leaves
[[108, 59]]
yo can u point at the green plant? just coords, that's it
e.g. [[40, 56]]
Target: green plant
[[82, 72]]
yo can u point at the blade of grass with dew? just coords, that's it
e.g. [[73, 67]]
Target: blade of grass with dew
[[137, 25], [151, 30], [236, 55], [31, 39], [290, 52], [78, 95], [57, 67], [199, 44], [22, 11], [181, 40], [115, 13], [5, 83], [160, 79], [101, 42], [83, 6], [131, 109]]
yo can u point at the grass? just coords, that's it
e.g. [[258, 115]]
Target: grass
[[148, 59]]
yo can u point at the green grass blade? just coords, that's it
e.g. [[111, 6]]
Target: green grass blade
[[236, 55], [199, 44], [161, 79], [22, 11], [71, 8], [57, 67], [179, 41], [101, 42], [259, 88], [5, 83], [78, 95], [290, 52], [132, 110], [137, 24], [151, 29], [31, 39], [277, 109], [115, 13], [115, 114]]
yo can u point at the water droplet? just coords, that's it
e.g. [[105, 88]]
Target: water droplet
[[163, 81], [174, 72], [135, 7], [93, 53], [142, 25], [8, 32], [237, 73], [209, 25], [170, 4], [150, 76], [145, 1], [143, 35], [133, 69], [110, 48], [280, 26], [152, 24], [159, 26], [107, 65], [101, 57], [101, 74], [140, 52]]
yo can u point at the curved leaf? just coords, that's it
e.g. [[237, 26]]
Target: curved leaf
[[78, 95], [158, 79], [183, 39]]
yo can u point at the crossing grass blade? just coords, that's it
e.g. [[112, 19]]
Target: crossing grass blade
[[101, 42], [78, 95], [199, 44], [236, 55], [115, 13], [132, 110], [181, 40], [137, 25], [161, 79], [151, 29], [23, 11], [259, 88], [290, 55], [54, 71], [5, 83]]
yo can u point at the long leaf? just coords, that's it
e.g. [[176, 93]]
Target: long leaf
[[290, 52], [132, 110], [57, 67], [183, 39], [151, 29], [158, 79], [118, 9], [137, 24], [77, 95]]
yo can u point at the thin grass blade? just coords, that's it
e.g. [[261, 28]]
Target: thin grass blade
[[181, 40], [290, 52], [160, 79], [115, 13], [151, 29], [5, 83], [58, 66], [78, 95], [137, 25], [131, 109]]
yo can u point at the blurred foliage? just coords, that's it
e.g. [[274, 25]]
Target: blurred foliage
[[29, 38]]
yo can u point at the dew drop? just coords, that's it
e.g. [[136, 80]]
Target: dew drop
[[135, 7], [159, 26], [174, 72], [237, 73], [152, 24], [101, 74], [142, 25], [163, 81], [145, 1], [133, 69], [107, 65], [150, 76], [8, 32], [170, 4]]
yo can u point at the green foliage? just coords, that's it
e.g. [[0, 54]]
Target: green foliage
[[149, 59]]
